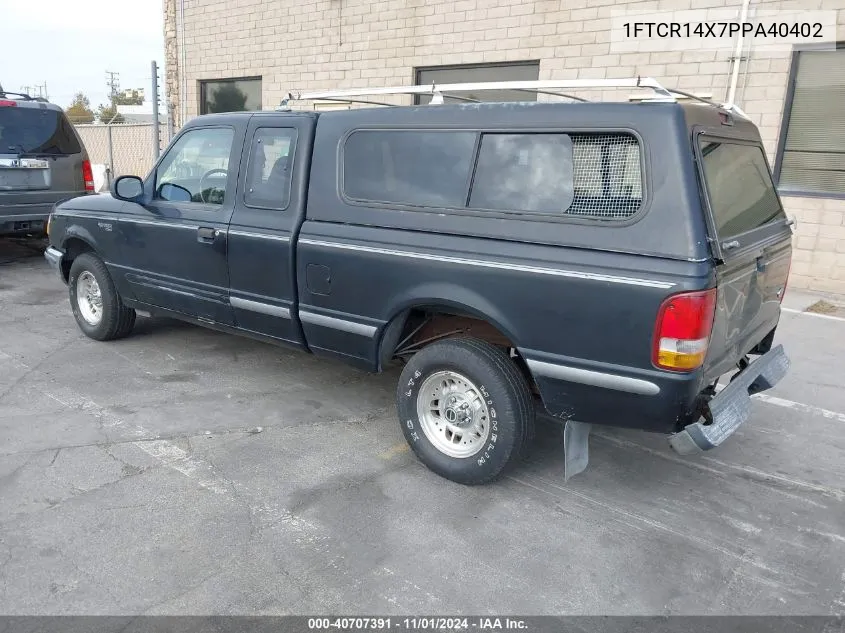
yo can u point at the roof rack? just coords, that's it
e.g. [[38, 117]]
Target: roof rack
[[22, 95], [441, 92]]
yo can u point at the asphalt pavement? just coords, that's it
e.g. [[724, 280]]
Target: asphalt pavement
[[187, 471]]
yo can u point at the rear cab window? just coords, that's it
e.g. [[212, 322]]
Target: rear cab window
[[739, 187], [36, 131]]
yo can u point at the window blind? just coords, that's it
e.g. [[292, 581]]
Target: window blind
[[814, 151]]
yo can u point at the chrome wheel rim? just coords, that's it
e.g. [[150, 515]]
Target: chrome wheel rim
[[88, 298], [453, 414]]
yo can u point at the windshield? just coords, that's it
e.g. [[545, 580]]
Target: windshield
[[739, 186], [35, 131]]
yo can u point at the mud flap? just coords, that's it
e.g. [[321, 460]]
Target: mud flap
[[576, 448]]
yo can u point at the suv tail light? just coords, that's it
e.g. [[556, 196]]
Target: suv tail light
[[682, 331], [7, 103], [88, 176]]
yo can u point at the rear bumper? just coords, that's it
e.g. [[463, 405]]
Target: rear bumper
[[24, 218], [731, 407]]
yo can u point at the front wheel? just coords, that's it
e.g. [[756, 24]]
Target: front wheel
[[465, 409], [96, 304]]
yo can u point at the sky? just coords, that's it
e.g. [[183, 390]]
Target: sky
[[70, 44]]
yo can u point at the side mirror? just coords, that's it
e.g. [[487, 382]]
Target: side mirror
[[128, 188]]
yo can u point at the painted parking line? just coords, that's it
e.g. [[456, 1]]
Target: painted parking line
[[800, 406], [795, 406], [813, 314]]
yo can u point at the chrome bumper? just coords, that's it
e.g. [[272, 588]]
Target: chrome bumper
[[54, 258], [731, 407]]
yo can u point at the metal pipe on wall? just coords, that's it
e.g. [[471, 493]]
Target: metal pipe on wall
[[183, 80], [737, 59]]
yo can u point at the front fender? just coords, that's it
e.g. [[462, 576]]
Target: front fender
[[77, 231]]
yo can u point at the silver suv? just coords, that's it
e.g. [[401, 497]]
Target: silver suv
[[42, 162]]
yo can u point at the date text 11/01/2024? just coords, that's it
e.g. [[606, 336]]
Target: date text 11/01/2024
[[434, 623]]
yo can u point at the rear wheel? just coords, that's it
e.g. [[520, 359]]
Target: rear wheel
[[465, 409], [96, 304]]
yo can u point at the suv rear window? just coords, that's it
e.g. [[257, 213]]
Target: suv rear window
[[739, 186], [36, 131]]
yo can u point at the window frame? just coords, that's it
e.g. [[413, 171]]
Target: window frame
[[386, 204], [292, 154], [480, 65], [154, 174], [498, 213], [784, 124], [747, 239], [203, 83]]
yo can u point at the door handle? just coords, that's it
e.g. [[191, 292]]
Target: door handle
[[206, 234]]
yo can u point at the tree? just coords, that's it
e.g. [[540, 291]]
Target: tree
[[227, 98], [133, 99], [109, 114], [79, 110]]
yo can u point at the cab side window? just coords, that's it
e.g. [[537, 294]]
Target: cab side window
[[268, 178], [197, 167]]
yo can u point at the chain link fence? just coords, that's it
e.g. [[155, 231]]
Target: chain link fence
[[120, 149]]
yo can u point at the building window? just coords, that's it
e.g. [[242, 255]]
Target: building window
[[515, 71], [811, 152], [230, 95]]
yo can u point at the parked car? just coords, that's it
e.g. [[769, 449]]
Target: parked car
[[42, 162], [612, 259]]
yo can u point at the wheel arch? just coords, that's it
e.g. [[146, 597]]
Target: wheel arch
[[446, 299], [76, 242]]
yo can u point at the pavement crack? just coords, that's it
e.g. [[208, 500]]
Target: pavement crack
[[10, 475], [184, 592], [134, 440]]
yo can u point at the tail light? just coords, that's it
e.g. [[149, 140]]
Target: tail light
[[8, 103], [88, 176], [682, 331]]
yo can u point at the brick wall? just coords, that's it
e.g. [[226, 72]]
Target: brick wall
[[306, 45]]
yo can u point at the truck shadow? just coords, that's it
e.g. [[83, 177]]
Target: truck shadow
[[20, 249]]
